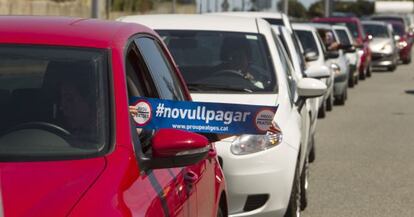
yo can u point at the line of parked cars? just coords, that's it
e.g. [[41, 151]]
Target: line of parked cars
[[68, 144]]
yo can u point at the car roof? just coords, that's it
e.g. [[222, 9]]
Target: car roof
[[372, 22], [303, 26], [65, 31], [339, 27], [321, 26], [196, 22], [273, 15]]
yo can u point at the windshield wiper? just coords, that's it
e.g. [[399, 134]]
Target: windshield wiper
[[203, 86]]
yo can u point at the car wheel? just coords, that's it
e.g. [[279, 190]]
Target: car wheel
[[220, 212], [392, 68], [304, 183], [322, 111], [407, 60], [351, 82], [341, 99], [312, 154], [329, 103], [362, 75], [356, 80], [369, 71], [293, 209]]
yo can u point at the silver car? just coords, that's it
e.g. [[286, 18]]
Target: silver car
[[382, 45]]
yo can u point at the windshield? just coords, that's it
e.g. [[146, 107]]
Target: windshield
[[377, 31], [307, 41], [222, 61], [53, 102]]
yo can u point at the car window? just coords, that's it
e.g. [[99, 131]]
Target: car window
[[54, 102], [343, 37], [286, 65], [398, 29], [274, 21], [222, 61], [377, 31], [160, 68], [307, 41]]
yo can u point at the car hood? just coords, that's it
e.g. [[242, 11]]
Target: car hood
[[378, 43], [248, 99], [46, 189]]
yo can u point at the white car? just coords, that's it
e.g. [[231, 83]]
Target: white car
[[312, 105], [235, 60], [339, 65], [282, 27], [316, 56], [347, 44]]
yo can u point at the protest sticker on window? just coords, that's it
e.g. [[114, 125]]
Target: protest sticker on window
[[203, 117]]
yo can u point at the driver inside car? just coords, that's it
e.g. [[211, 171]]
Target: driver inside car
[[236, 54]]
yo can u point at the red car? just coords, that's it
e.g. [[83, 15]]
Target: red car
[[404, 42], [362, 42], [68, 144]]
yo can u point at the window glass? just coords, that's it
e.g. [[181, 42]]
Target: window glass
[[307, 41], [161, 70], [377, 31], [287, 66], [222, 61], [343, 37], [274, 21], [53, 101]]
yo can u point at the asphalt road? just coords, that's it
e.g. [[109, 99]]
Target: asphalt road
[[365, 151]]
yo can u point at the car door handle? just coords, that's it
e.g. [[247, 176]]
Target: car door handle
[[190, 177]]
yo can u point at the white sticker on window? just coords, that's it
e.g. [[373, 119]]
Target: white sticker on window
[[251, 37]]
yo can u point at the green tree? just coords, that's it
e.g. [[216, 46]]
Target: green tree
[[316, 9], [295, 8]]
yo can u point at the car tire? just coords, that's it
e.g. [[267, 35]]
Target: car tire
[[340, 100], [329, 103], [304, 181], [407, 60], [220, 212], [322, 111], [293, 209], [368, 73], [351, 82], [362, 75], [356, 80], [392, 68], [312, 154]]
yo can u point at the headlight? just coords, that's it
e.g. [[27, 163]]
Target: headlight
[[387, 48], [402, 44], [247, 144], [336, 69]]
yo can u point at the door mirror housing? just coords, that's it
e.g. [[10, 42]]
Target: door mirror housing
[[311, 56], [370, 37], [397, 38], [311, 88], [176, 148], [317, 72], [332, 54]]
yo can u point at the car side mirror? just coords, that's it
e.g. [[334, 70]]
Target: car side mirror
[[370, 37], [317, 72], [332, 54], [309, 88], [311, 56], [176, 148], [348, 48]]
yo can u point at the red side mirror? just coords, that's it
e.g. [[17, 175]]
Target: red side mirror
[[172, 142]]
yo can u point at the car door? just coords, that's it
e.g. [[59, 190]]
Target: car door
[[166, 188], [199, 178]]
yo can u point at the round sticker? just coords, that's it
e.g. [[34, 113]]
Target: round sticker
[[263, 119], [144, 113]]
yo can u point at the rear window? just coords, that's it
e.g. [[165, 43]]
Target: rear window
[[54, 102], [307, 41], [222, 61], [377, 31]]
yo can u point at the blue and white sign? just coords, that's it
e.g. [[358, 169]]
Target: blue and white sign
[[202, 116]]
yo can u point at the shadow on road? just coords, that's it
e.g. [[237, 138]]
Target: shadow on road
[[409, 92]]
